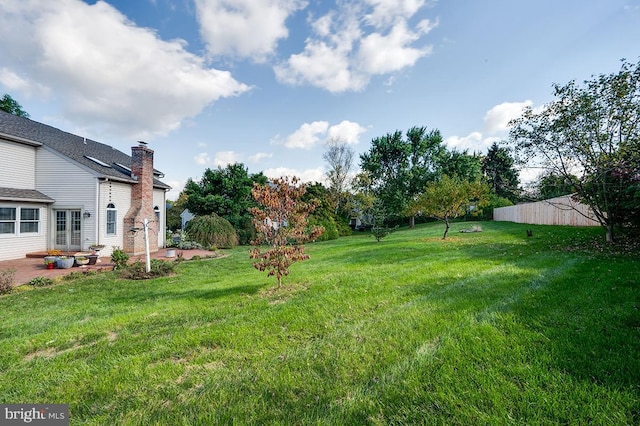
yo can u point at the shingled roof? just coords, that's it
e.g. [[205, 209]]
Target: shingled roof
[[29, 195], [103, 159]]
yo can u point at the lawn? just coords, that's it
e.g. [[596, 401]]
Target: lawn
[[483, 328]]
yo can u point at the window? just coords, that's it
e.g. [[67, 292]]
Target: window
[[7, 220], [112, 216], [29, 220]]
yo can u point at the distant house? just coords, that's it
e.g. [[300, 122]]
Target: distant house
[[62, 191]]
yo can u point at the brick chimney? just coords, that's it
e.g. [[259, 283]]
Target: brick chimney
[[141, 203]]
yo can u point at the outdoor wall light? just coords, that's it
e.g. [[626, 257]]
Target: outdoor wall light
[[86, 214]]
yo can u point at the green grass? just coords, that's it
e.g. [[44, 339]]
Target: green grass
[[484, 328]]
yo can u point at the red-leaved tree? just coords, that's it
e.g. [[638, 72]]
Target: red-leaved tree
[[281, 226]]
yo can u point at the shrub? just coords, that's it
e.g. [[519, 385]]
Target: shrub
[[6, 281], [137, 270], [212, 230], [41, 282], [182, 241], [119, 258]]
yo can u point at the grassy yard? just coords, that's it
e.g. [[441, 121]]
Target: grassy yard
[[483, 328]]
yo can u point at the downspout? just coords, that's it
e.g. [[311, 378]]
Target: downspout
[[97, 226]]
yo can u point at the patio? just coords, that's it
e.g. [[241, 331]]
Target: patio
[[33, 266]]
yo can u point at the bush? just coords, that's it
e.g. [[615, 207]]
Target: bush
[[212, 230], [119, 258], [493, 203], [41, 282], [6, 281], [137, 270]]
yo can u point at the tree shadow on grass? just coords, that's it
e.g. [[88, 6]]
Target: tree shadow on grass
[[207, 293]]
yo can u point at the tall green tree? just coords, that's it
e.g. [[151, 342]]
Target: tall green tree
[[227, 193], [398, 168], [10, 105], [590, 136], [551, 185], [498, 168]]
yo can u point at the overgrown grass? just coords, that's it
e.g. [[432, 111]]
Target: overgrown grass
[[489, 327]]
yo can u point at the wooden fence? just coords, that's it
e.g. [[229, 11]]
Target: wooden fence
[[555, 211]]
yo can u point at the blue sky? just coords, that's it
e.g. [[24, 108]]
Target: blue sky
[[268, 82]]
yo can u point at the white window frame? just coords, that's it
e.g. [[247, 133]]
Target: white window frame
[[13, 221], [25, 221], [112, 219]]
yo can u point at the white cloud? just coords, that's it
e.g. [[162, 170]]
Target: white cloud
[[202, 159], [345, 51], [385, 10], [224, 158], [308, 135], [383, 54], [346, 131], [496, 120], [259, 156], [176, 188], [306, 175], [244, 28], [110, 75], [473, 142]]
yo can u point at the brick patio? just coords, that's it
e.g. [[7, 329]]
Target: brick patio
[[31, 267]]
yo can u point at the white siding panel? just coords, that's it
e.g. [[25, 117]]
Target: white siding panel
[[160, 200], [17, 165], [72, 186], [17, 246], [120, 195]]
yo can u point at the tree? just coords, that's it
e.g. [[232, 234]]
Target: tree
[[399, 168], [590, 136], [498, 168], [450, 197], [174, 209], [8, 104], [281, 225], [551, 185], [227, 193], [212, 231], [378, 214], [339, 157]]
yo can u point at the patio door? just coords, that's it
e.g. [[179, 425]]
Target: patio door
[[68, 233]]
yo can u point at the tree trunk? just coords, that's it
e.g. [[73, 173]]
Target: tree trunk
[[446, 229], [412, 222], [609, 232]]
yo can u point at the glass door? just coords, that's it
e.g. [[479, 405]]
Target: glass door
[[68, 236]]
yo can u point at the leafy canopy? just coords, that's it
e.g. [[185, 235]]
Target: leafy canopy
[[281, 227], [590, 137]]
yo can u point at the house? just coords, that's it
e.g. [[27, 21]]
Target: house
[[65, 192]]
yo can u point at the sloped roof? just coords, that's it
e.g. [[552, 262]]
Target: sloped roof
[[81, 150], [13, 194]]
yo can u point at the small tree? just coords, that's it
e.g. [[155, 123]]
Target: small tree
[[449, 198], [378, 214], [281, 225]]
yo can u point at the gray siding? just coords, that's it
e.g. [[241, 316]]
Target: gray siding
[[120, 195], [17, 165], [17, 245]]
